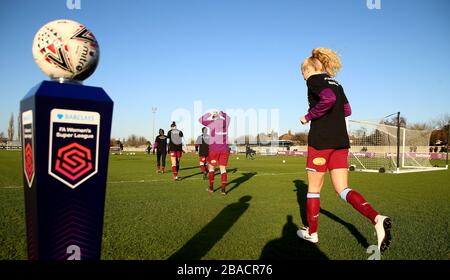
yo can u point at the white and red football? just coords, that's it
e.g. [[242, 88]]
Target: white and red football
[[66, 49]]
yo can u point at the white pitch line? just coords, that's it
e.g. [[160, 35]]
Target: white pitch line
[[165, 180], [120, 182], [192, 179]]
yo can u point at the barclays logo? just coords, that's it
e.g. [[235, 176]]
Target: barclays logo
[[75, 117]]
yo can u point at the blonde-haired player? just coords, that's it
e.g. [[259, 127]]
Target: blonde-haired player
[[328, 144]]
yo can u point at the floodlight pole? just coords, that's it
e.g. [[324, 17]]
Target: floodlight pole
[[448, 140], [154, 109], [398, 142]]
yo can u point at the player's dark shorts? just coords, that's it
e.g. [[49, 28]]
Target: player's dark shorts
[[176, 154], [202, 159], [218, 158], [328, 159]]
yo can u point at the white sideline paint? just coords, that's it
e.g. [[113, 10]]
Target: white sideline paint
[[166, 180]]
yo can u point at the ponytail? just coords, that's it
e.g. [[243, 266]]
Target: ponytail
[[329, 59]]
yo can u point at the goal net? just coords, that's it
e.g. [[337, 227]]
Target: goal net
[[384, 148]]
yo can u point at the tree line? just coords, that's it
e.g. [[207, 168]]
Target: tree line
[[132, 141], [439, 130], [11, 133]]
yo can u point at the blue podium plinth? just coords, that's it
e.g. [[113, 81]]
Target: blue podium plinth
[[66, 132]]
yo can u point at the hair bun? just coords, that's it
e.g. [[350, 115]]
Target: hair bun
[[329, 59], [315, 53]]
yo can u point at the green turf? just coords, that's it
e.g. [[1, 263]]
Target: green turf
[[148, 216]]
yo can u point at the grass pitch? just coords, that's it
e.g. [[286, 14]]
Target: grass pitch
[[148, 216]]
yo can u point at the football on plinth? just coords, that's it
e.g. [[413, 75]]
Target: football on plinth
[[66, 49]]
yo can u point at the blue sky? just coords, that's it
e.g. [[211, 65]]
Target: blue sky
[[241, 54]]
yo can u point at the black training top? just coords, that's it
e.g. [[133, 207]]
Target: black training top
[[161, 143], [328, 107], [202, 145], [175, 140]]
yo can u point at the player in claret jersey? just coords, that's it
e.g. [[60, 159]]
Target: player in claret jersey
[[202, 147], [218, 123], [175, 137], [328, 144]]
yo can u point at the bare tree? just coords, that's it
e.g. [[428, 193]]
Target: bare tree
[[11, 128], [441, 129], [19, 128], [393, 121], [135, 141], [441, 121], [420, 126], [131, 141], [113, 142], [300, 138]]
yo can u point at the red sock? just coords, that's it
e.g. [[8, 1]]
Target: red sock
[[312, 211], [157, 167], [360, 204], [174, 171], [211, 179], [224, 181], [163, 168], [203, 168]]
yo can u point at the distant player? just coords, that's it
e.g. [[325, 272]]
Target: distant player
[[249, 152], [175, 137], [160, 146], [202, 147], [218, 147], [148, 149], [328, 144], [233, 148]]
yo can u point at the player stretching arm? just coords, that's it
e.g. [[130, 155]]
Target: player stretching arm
[[218, 147]]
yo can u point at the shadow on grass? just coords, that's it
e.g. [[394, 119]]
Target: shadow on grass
[[302, 190], [201, 243], [191, 175], [238, 181], [190, 167], [351, 228], [234, 170], [290, 247]]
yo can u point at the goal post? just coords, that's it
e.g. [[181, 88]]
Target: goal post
[[377, 147]]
